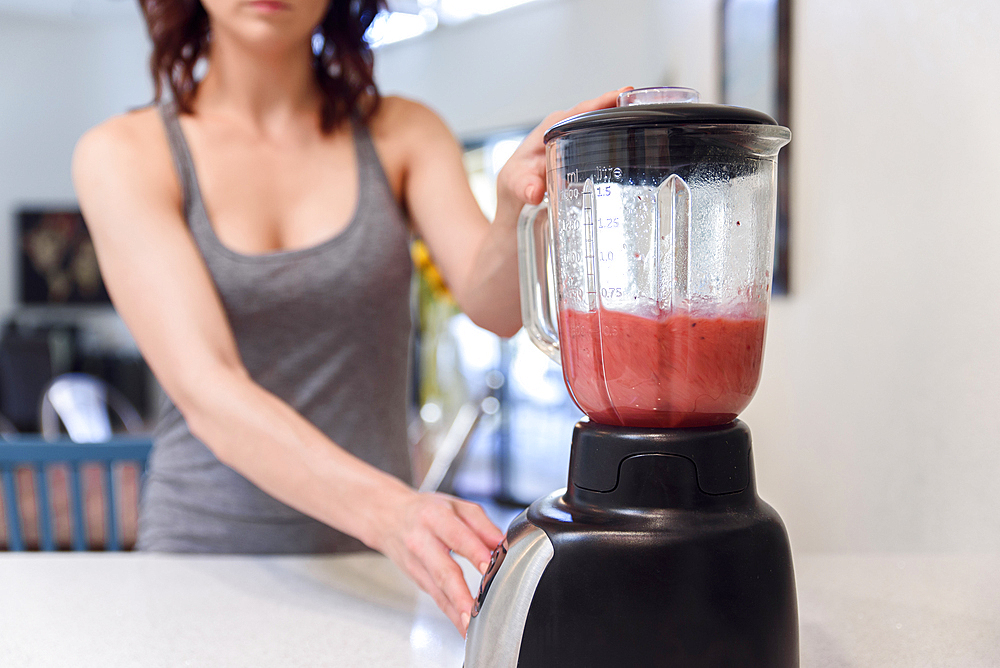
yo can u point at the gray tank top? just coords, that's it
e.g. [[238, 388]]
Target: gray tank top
[[326, 329]]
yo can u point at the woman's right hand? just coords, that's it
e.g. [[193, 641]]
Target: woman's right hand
[[418, 531]]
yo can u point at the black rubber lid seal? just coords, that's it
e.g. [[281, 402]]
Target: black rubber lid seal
[[659, 115]]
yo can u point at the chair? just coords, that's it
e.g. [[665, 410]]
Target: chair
[[37, 454], [84, 405]]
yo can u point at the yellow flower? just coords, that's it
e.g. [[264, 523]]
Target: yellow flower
[[428, 271]]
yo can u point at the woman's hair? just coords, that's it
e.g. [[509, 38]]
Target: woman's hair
[[343, 65]]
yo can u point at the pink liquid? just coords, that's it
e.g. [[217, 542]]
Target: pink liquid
[[678, 370]]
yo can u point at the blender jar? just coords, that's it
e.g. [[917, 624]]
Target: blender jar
[[658, 242]]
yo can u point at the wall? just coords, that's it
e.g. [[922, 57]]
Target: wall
[[61, 76], [874, 421], [513, 68]]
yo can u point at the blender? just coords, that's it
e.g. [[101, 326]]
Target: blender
[[646, 273]]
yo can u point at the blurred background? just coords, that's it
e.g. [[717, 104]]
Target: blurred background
[[874, 423]]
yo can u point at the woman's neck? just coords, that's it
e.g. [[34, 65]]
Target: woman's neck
[[265, 88]]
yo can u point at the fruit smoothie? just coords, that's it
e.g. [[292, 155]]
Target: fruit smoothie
[[677, 370]]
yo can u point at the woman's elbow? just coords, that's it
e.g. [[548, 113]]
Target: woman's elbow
[[201, 400]]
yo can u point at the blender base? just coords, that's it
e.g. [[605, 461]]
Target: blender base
[[658, 553]]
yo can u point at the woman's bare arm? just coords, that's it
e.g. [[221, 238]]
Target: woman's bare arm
[[161, 287], [477, 260]]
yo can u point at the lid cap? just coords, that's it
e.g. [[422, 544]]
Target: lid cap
[[658, 95]]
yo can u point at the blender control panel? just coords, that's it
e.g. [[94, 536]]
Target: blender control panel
[[496, 559]]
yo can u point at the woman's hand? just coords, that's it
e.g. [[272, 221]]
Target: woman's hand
[[522, 179], [419, 530]]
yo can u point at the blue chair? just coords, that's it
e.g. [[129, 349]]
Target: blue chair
[[37, 454]]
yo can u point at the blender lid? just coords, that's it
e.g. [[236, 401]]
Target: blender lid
[[658, 107]]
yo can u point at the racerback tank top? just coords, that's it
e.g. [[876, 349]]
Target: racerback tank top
[[325, 328]]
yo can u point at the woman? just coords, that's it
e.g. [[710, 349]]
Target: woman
[[253, 234]]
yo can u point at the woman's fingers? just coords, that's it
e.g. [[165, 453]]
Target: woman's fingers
[[426, 582], [608, 99], [446, 576], [461, 539], [440, 525], [534, 190], [604, 101], [526, 172], [433, 526], [473, 515], [464, 540]]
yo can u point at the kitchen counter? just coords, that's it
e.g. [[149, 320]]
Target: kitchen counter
[[131, 609]]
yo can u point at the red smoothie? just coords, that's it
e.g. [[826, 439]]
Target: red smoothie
[[677, 370]]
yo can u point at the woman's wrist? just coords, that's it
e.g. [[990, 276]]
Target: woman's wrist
[[380, 509]]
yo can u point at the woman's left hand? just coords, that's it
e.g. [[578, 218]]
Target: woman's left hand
[[522, 179]]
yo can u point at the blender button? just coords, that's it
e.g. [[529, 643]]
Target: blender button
[[496, 559]]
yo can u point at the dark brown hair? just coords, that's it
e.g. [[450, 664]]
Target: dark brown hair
[[180, 32]]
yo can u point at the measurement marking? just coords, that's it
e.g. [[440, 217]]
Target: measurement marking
[[590, 243]]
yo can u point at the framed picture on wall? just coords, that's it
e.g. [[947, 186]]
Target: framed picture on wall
[[56, 258], [756, 46]]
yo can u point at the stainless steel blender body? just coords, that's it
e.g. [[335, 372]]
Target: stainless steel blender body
[[658, 553]]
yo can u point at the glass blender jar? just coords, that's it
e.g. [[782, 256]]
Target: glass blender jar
[[658, 239]]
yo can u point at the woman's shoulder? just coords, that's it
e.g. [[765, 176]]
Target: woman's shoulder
[[135, 133], [400, 119], [126, 161], [131, 147], [396, 109], [134, 130]]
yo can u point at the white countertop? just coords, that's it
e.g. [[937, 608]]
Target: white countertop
[[110, 610]]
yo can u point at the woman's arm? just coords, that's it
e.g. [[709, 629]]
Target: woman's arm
[[161, 287], [477, 260]]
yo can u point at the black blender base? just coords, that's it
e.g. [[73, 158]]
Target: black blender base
[[661, 555]]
